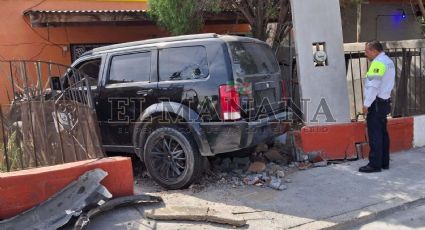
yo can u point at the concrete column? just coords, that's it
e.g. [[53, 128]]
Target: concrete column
[[323, 88]]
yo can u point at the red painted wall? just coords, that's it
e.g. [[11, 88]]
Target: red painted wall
[[338, 141]]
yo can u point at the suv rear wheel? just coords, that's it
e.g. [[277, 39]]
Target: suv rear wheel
[[172, 158]]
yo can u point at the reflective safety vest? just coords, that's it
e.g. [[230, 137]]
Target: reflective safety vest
[[380, 79]]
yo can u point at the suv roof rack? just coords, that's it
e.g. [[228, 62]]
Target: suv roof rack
[[157, 40]]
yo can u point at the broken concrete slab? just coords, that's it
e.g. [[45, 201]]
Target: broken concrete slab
[[261, 148], [257, 167], [190, 213], [275, 155], [58, 210], [225, 218], [178, 213]]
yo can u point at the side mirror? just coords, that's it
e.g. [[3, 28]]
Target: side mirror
[[55, 83]]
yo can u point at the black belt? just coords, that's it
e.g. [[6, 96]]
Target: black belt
[[380, 100]]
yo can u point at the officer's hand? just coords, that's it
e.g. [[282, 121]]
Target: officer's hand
[[365, 110]]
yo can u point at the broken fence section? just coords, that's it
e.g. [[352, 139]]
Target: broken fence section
[[40, 126]]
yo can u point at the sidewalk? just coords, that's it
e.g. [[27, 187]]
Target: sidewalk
[[337, 196]]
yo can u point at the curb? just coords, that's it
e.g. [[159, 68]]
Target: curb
[[22, 190], [363, 215]]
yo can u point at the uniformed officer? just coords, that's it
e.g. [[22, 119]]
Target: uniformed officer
[[377, 105]]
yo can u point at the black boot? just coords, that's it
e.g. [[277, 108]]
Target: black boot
[[368, 169]]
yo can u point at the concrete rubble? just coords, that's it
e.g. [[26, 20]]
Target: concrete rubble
[[265, 167]]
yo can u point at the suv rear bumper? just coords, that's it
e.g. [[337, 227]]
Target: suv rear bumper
[[231, 136]]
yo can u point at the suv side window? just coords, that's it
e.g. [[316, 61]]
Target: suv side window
[[183, 63], [91, 70], [134, 67]]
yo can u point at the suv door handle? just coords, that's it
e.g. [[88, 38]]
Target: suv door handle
[[145, 92]]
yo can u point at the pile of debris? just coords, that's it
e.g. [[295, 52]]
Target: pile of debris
[[266, 167]]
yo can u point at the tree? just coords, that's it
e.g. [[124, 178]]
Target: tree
[[259, 13], [181, 16], [187, 16]]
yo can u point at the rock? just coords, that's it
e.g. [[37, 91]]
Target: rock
[[252, 179], [237, 171], [273, 168], [261, 148], [226, 164], [274, 155], [241, 162], [257, 167], [275, 183], [264, 177], [280, 174]]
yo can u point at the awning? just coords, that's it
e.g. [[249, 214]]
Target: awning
[[45, 18], [56, 18]]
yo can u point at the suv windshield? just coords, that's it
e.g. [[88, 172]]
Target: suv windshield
[[253, 58]]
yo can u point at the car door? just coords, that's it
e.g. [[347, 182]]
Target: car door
[[129, 87]]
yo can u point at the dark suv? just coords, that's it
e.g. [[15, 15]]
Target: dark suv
[[173, 101]]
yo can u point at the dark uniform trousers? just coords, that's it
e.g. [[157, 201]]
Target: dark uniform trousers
[[379, 140]]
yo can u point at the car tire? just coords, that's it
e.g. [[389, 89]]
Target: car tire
[[172, 157]]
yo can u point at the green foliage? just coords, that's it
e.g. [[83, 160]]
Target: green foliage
[[13, 152], [181, 16]]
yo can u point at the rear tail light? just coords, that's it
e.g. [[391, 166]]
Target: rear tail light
[[229, 103]]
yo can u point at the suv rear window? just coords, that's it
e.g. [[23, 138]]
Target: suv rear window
[[253, 58], [130, 68], [183, 63]]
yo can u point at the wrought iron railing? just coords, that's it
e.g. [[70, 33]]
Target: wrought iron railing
[[408, 96]]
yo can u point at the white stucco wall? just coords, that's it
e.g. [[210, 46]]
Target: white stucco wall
[[419, 131]]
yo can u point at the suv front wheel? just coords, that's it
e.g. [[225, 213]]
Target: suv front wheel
[[172, 158]]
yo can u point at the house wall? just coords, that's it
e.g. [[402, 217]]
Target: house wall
[[382, 21], [19, 41]]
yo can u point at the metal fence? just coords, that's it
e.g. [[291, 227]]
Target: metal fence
[[408, 96], [40, 126]]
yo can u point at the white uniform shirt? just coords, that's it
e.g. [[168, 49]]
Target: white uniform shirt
[[380, 79]]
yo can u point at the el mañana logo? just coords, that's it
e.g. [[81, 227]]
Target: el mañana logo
[[130, 110]]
